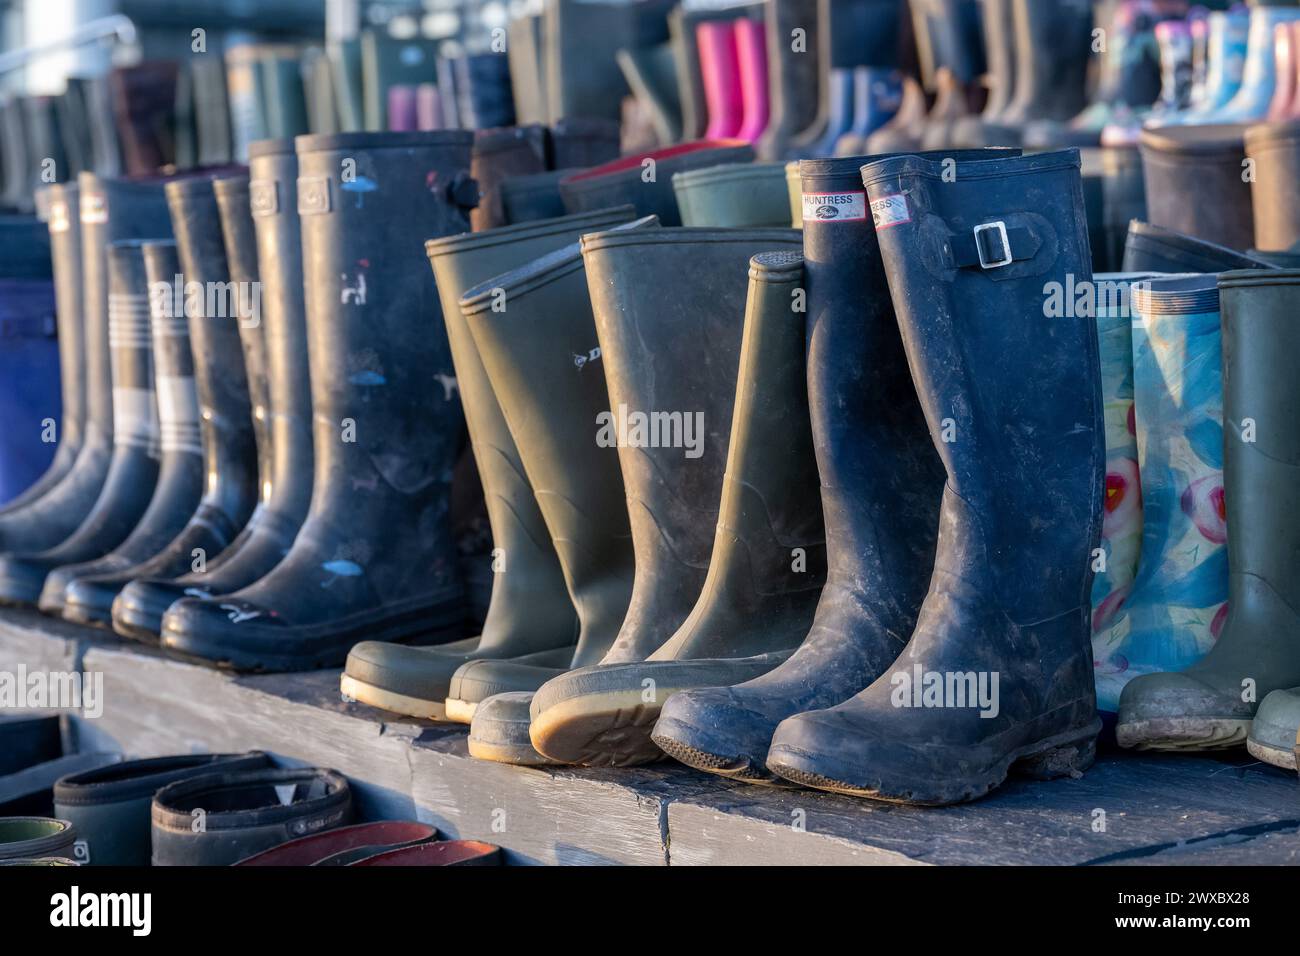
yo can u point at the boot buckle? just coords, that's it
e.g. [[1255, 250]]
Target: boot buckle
[[993, 245]]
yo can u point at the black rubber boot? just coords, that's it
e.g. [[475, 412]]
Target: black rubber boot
[[1156, 249], [1211, 704], [530, 610], [1275, 190], [107, 210], [280, 339], [37, 839], [1196, 183], [651, 74], [881, 482], [553, 397], [64, 231], [795, 75], [1004, 634], [581, 141], [375, 556], [87, 590], [534, 196], [31, 790], [645, 180], [245, 811], [110, 805], [1053, 42], [1000, 54], [225, 407], [769, 552], [499, 154], [133, 467]]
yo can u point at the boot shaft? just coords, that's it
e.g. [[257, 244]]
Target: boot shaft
[[178, 403], [135, 406], [997, 241], [64, 223]]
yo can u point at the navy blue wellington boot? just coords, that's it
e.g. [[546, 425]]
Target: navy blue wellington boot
[[998, 671], [881, 482]]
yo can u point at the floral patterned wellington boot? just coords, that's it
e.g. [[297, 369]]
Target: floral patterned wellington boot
[[1176, 609]]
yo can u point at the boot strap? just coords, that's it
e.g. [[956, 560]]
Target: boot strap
[[992, 245]]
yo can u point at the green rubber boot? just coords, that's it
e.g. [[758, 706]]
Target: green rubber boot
[[530, 610], [769, 552], [1212, 704], [734, 195]]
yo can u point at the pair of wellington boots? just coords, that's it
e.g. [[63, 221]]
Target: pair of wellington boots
[[374, 554], [951, 641], [1245, 688], [555, 405]]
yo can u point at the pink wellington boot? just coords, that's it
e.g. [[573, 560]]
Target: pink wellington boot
[[751, 54], [1282, 106], [720, 70]]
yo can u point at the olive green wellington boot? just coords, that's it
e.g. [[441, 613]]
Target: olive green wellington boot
[[1212, 704], [537, 337], [668, 306], [734, 195], [769, 552], [530, 611]]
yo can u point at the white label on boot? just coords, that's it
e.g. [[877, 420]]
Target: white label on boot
[[890, 211], [834, 207]]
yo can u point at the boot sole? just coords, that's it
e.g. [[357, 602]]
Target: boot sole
[[460, 711], [1286, 759], [1183, 733], [731, 766], [1063, 755], [388, 700], [503, 753], [600, 730], [88, 616]]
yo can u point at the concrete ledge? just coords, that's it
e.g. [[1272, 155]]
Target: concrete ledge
[[1127, 809]]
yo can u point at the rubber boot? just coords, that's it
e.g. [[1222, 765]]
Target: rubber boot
[[1210, 705], [282, 334], [144, 105], [16, 194], [880, 487], [579, 142], [624, 180], [1173, 610], [64, 226], [1258, 79], [1116, 563], [877, 94], [1000, 54], [387, 61], [720, 67], [1176, 50], [751, 59], [843, 91], [534, 196], [794, 61], [483, 91], [85, 592], [549, 404], [903, 132], [734, 195], [1207, 162], [794, 189], [1155, 249], [1274, 150], [109, 209], [109, 806], [683, 26], [948, 110], [1280, 107], [1053, 41], [672, 495], [439, 853], [133, 468], [28, 739], [527, 72], [981, 617], [768, 562], [651, 74], [1123, 200], [246, 811], [580, 43], [1275, 731], [499, 154], [530, 611], [1225, 64], [37, 840], [230, 442], [375, 555], [345, 846]]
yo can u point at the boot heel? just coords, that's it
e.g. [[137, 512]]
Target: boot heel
[[1067, 760]]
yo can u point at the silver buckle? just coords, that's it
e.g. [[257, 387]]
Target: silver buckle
[[1001, 228]]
